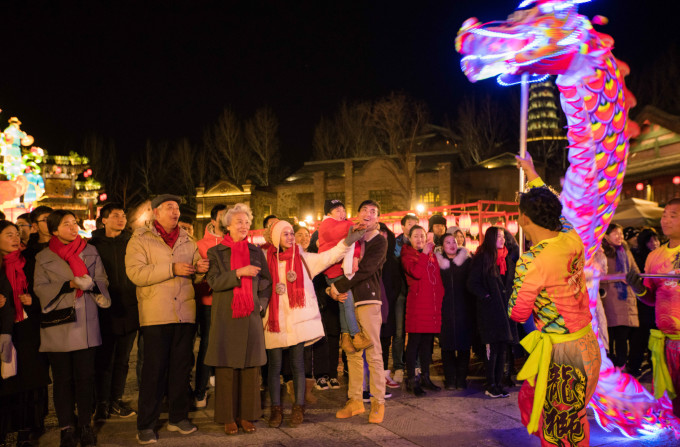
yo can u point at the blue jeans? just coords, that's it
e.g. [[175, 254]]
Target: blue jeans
[[399, 339], [297, 364], [348, 319], [203, 372]]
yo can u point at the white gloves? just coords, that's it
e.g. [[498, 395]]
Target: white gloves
[[84, 282]]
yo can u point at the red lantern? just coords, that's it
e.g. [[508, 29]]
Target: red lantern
[[676, 180], [102, 196], [640, 186], [57, 170]]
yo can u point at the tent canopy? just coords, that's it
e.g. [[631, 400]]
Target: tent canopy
[[638, 213]]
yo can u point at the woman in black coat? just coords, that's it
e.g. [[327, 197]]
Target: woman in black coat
[[491, 275], [23, 397], [455, 338]]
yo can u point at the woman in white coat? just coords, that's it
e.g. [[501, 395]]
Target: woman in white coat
[[292, 320]]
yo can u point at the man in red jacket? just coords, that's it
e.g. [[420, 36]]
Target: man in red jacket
[[365, 286], [213, 236]]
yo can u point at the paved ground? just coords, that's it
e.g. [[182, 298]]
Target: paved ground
[[447, 418]]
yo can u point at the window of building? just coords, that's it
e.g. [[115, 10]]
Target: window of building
[[336, 196], [383, 197], [428, 196]]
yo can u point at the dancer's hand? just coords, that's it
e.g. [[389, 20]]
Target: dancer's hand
[[635, 282], [527, 165]]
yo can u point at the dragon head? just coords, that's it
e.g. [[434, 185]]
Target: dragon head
[[541, 38]]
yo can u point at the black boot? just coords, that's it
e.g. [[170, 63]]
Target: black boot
[[68, 438], [413, 387], [87, 436], [507, 380], [426, 383]]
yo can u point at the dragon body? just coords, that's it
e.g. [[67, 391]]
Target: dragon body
[[549, 37]]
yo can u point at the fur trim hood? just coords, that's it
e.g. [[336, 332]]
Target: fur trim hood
[[462, 256]]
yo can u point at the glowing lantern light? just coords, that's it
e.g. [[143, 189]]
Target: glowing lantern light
[[450, 221], [640, 186], [513, 227], [396, 229], [89, 225], [309, 219], [472, 246], [420, 208], [27, 140], [474, 229], [676, 180], [103, 196], [465, 222], [57, 170], [468, 241], [485, 226]]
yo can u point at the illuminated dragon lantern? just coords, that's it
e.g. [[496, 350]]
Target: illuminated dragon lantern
[[549, 37]]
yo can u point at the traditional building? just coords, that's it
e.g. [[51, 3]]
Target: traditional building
[[653, 171], [262, 202]]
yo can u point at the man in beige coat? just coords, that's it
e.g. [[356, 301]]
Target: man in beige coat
[[162, 260]]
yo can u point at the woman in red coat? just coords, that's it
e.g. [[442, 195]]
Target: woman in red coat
[[423, 307]]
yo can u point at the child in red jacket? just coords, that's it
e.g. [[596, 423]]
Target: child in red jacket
[[332, 230]]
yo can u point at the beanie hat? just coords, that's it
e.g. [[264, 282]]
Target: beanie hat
[[436, 219], [277, 229], [330, 204]]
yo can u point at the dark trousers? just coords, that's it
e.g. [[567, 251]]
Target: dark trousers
[[203, 372], [111, 366], [237, 394], [455, 365], [495, 356], [168, 352], [385, 342], [320, 358], [296, 356], [73, 385], [618, 344], [419, 346]]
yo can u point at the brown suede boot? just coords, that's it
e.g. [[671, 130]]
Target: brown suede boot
[[361, 341], [276, 416], [310, 398], [297, 415], [346, 343]]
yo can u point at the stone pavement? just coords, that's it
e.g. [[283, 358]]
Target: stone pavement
[[447, 418]]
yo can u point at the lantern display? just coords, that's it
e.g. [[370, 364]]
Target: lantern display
[[464, 222]]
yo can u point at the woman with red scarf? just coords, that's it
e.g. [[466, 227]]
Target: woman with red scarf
[[23, 397], [491, 276], [241, 285], [69, 274], [292, 320]]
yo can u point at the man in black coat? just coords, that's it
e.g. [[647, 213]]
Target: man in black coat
[[120, 322]]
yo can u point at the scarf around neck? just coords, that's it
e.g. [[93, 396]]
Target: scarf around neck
[[622, 267], [295, 290], [242, 304], [14, 269], [70, 253], [500, 260], [169, 238]]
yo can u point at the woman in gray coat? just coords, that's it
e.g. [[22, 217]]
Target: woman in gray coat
[[70, 275], [241, 286]]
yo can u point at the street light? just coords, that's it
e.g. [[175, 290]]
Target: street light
[[420, 208]]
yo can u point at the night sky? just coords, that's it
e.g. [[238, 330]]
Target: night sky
[[165, 70]]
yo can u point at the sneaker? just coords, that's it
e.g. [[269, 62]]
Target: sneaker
[[398, 375], [334, 383], [321, 383], [351, 408], [493, 393], [389, 383], [201, 402], [503, 392], [367, 396], [146, 437], [102, 412], [387, 394], [377, 413], [184, 426], [121, 409]]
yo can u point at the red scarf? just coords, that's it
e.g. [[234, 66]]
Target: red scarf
[[169, 238], [14, 269], [69, 253], [295, 290], [500, 260], [242, 304]]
